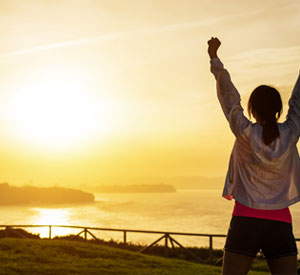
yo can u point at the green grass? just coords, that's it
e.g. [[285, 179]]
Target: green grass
[[60, 257]]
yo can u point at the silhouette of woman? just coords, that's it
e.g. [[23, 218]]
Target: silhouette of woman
[[263, 175]]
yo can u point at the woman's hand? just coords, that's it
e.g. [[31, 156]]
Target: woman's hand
[[213, 45]]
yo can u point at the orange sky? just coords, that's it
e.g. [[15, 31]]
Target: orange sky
[[97, 92]]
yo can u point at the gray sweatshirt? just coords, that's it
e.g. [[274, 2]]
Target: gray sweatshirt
[[260, 176]]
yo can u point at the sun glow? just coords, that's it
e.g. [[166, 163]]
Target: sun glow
[[56, 110], [52, 217]]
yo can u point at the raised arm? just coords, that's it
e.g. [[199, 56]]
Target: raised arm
[[293, 116], [228, 95]]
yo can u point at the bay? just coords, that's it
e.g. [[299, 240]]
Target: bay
[[190, 211]]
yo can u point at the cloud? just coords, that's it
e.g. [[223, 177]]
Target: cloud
[[113, 36]]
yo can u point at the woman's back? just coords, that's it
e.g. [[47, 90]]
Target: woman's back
[[264, 176]]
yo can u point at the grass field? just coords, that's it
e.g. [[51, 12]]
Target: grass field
[[60, 257]]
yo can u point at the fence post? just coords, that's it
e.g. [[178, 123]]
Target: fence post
[[50, 229], [211, 249], [124, 236], [166, 245]]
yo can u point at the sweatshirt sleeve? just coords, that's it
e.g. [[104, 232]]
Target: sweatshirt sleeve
[[229, 98], [293, 116]]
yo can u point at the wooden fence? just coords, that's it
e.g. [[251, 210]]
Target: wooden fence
[[166, 236]]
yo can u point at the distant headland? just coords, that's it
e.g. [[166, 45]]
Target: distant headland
[[135, 188], [12, 195]]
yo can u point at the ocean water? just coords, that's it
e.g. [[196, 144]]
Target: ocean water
[[191, 211]]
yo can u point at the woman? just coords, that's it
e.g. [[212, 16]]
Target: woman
[[263, 175]]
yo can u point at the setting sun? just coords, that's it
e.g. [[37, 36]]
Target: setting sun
[[54, 109]]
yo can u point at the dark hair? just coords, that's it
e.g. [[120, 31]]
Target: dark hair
[[266, 107]]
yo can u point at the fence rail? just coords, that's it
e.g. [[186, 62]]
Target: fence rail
[[166, 236]]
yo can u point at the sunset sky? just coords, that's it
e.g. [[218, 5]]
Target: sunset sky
[[119, 91]]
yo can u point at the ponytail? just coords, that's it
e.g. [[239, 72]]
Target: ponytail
[[270, 132]]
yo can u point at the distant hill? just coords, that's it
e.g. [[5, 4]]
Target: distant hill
[[11, 195], [170, 184], [197, 182], [135, 188]]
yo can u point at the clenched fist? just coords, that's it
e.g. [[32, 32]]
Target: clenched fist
[[213, 45]]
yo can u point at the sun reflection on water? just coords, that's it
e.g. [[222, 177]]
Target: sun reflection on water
[[48, 216]]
